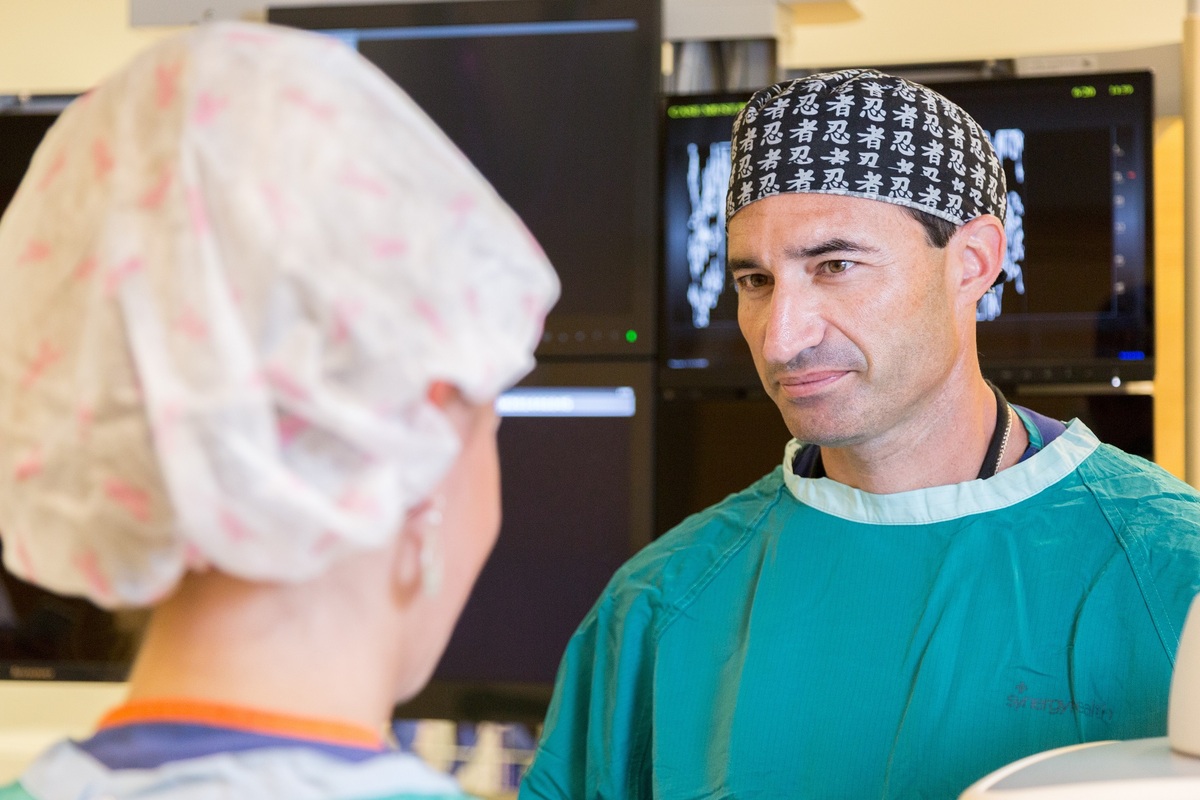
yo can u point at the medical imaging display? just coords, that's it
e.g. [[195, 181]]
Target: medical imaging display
[[1076, 305], [555, 103], [700, 338]]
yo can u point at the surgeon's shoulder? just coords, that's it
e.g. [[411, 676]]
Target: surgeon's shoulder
[[1156, 519], [14, 791], [1145, 496], [672, 569]]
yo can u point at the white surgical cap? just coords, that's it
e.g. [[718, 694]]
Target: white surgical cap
[[226, 284]]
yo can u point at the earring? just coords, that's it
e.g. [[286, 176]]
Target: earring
[[430, 556]]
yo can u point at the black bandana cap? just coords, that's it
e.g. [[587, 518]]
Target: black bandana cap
[[862, 133]]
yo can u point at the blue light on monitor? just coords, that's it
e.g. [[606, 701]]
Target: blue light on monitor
[[1131, 355], [353, 36]]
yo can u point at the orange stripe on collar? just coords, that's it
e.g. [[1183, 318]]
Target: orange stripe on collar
[[250, 720]]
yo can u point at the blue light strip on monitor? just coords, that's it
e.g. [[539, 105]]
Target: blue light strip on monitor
[[567, 401], [353, 36]]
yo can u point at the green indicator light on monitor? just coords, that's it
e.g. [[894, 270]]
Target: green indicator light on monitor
[[631, 336]]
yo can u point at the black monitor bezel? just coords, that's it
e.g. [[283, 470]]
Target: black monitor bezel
[[575, 334], [739, 373]]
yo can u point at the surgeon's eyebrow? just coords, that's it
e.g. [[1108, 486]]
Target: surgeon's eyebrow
[[835, 245], [828, 246]]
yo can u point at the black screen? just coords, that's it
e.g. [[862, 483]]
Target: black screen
[[21, 131], [555, 103], [575, 466]]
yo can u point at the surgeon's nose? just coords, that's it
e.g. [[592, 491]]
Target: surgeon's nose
[[794, 322]]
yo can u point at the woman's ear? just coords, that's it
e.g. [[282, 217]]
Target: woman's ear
[[442, 394], [980, 249], [450, 401]]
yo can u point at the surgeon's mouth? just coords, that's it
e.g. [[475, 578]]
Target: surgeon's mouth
[[797, 386]]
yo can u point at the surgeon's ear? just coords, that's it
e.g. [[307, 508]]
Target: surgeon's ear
[[979, 247]]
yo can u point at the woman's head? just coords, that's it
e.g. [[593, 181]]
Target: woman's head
[[229, 286]]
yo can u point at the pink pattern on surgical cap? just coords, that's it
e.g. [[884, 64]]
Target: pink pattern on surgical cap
[[193, 557], [276, 203], [430, 314], [324, 112], [463, 204], [134, 500], [208, 107], [290, 426], [35, 251], [191, 324], [390, 247], [234, 528], [23, 559], [86, 268], [354, 179], [88, 564], [55, 168], [84, 417], [344, 313], [157, 193], [102, 158], [326, 542], [196, 211], [286, 383], [28, 466], [47, 356], [230, 337], [121, 273], [167, 83]]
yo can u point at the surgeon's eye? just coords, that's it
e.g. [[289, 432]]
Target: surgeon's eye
[[751, 281], [836, 266]]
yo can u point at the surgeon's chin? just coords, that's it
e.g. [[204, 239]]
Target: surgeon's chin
[[826, 424]]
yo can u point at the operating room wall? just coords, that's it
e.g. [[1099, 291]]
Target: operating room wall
[[65, 45], [838, 34]]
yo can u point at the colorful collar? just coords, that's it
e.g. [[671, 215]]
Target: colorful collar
[[184, 711]]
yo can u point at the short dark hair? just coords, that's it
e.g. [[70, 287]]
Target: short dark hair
[[937, 230]]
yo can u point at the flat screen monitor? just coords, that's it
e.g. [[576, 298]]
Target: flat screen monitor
[[711, 443], [1078, 302], [555, 101], [1077, 305], [577, 488]]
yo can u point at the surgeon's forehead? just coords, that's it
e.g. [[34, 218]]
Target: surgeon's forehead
[[806, 225]]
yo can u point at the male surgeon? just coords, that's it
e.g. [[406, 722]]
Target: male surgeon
[[935, 582]]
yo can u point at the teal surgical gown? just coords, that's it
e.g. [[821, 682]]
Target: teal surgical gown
[[803, 639]]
